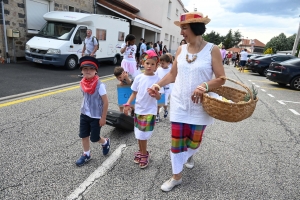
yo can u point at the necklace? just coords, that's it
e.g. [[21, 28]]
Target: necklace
[[194, 57]]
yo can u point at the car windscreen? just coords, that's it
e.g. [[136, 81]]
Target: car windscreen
[[294, 61], [57, 30]]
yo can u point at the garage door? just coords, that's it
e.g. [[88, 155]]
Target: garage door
[[35, 9]]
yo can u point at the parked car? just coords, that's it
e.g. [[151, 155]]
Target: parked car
[[287, 72], [261, 65], [250, 59]]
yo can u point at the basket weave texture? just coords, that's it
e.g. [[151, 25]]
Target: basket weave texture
[[226, 111]]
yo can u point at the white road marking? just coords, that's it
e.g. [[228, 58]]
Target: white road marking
[[100, 171], [281, 102], [294, 111], [263, 90], [257, 85], [271, 95]]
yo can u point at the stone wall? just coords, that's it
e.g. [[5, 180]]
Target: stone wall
[[15, 18]]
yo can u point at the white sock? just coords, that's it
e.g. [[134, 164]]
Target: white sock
[[104, 142], [87, 152]]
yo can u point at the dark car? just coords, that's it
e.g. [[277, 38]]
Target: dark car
[[287, 72], [250, 59], [261, 65]]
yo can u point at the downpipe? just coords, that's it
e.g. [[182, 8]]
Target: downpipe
[[4, 29]]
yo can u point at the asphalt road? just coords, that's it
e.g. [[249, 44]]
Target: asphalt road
[[26, 76], [257, 158]]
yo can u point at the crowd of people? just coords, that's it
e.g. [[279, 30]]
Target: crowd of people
[[196, 68], [234, 58]]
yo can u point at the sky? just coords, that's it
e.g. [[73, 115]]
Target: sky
[[255, 19]]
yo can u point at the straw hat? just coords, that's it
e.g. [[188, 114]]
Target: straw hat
[[192, 17]]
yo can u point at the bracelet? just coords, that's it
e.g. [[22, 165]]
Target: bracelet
[[126, 104], [156, 86], [206, 86]]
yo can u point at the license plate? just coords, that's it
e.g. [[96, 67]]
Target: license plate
[[269, 74], [37, 60]]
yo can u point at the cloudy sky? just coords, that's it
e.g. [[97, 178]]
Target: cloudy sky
[[255, 19]]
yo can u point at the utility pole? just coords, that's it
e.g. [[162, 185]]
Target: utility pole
[[296, 41]]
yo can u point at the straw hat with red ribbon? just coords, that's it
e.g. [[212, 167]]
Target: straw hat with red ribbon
[[192, 17]]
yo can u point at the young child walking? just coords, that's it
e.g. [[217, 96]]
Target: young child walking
[[93, 109], [145, 106], [161, 71], [125, 79]]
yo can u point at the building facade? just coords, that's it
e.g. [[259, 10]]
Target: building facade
[[154, 23]]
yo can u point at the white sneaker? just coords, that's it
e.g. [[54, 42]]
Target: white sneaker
[[170, 184], [190, 163]]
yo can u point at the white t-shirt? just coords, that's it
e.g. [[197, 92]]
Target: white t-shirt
[[90, 44], [244, 55], [143, 47], [101, 91], [129, 53], [161, 72], [144, 103]]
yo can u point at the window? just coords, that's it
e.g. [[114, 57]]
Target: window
[[71, 9], [166, 36], [169, 9]]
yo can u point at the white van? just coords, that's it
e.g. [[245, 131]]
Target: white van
[[60, 41]]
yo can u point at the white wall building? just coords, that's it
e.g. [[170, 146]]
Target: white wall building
[[163, 13]]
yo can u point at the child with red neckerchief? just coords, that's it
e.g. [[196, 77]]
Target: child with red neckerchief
[[93, 109], [145, 105]]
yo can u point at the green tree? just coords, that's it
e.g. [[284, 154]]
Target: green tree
[[213, 37], [236, 38], [281, 43], [228, 40]]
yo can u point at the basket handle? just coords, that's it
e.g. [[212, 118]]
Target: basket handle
[[236, 82]]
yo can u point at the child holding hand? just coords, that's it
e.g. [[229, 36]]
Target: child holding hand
[[161, 71], [145, 105]]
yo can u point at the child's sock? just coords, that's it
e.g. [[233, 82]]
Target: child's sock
[[104, 142], [87, 152]]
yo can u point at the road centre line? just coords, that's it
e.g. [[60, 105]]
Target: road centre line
[[100, 171], [294, 111], [45, 94], [271, 95], [263, 90]]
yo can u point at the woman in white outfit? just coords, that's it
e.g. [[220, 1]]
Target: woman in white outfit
[[193, 69]]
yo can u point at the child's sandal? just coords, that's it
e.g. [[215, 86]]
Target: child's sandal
[[144, 162], [137, 157]]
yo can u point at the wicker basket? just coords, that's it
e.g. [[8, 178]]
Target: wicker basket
[[226, 111]]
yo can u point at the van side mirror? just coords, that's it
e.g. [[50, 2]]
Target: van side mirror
[[77, 40]]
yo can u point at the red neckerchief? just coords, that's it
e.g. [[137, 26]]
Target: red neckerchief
[[89, 86]]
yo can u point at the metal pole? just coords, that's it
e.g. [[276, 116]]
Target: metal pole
[[4, 29], [296, 41], [95, 6], [14, 50]]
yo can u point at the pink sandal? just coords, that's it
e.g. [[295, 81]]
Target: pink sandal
[[137, 157], [145, 162]]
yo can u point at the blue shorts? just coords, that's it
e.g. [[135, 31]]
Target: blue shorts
[[243, 63], [89, 127]]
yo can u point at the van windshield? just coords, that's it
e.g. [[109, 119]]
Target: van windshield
[[57, 30]]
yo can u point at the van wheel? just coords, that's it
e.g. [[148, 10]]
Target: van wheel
[[116, 60], [71, 62], [295, 83]]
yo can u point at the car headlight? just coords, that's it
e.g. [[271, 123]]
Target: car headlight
[[27, 48], [53, 51]]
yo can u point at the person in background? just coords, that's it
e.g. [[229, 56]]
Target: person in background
[[90, 46], [137, 55], [196, 69], [223, 54], [233, 58], [165, 50], [160, 48], [128, 49], [182, 42], [244, 57]]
